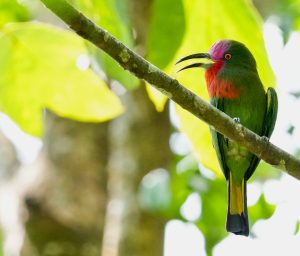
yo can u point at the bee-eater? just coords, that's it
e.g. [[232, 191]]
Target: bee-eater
[[235, 88]]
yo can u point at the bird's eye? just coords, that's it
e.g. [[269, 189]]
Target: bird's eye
[[227, 56]]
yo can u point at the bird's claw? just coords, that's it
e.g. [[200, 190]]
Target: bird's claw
[[237, 120]]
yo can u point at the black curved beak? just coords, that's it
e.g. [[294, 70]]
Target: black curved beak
[[198, 64]]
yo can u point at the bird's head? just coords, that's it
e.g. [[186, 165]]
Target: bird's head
[[224, 54]]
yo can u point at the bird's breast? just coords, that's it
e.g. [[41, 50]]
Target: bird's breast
[[221, 88]]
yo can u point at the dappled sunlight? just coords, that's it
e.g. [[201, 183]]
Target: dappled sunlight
[[191, 208], [183, 239], [27, 146]]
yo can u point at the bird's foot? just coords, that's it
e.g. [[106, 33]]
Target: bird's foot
[[237, 120]]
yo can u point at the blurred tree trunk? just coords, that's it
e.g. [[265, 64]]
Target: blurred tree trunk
[[139, 142], [66, 213]]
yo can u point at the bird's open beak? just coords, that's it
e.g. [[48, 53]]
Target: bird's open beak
[[198, 64]]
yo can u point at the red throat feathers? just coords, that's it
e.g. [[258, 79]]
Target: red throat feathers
[[219, 88]]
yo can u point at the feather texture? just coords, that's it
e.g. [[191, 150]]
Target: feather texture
[[235, 88]]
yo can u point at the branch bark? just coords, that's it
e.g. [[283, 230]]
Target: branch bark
[[169, 86]]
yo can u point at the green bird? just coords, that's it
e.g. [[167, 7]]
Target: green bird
[[235, 88]]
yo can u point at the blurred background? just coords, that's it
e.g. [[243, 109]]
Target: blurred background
[[95, 162]]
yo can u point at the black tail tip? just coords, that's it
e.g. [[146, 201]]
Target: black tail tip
[[237, 224]]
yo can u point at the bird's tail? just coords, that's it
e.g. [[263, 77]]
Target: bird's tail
[[237, 216]]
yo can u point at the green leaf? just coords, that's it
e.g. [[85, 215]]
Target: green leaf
[[158, 99], [166, 31], [38, 69], [11, 10], [113, 16], [207, 22]]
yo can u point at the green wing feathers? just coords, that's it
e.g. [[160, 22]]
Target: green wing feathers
[[218, 139], [237, 217], [271, 113], [268, 126]]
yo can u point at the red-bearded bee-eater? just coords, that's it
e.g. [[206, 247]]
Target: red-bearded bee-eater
[[235, 88]]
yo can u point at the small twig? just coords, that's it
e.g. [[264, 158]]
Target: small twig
[[169, 86]]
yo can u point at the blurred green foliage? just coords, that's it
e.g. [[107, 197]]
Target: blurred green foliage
[[261, 210], [11, 11], [38, 69], [166, 32], [166, 195], [154, 192], [113, 16], [211, 222], [286, 13], [163, 43]]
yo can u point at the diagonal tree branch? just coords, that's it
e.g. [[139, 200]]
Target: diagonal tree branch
[[169, 86]]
